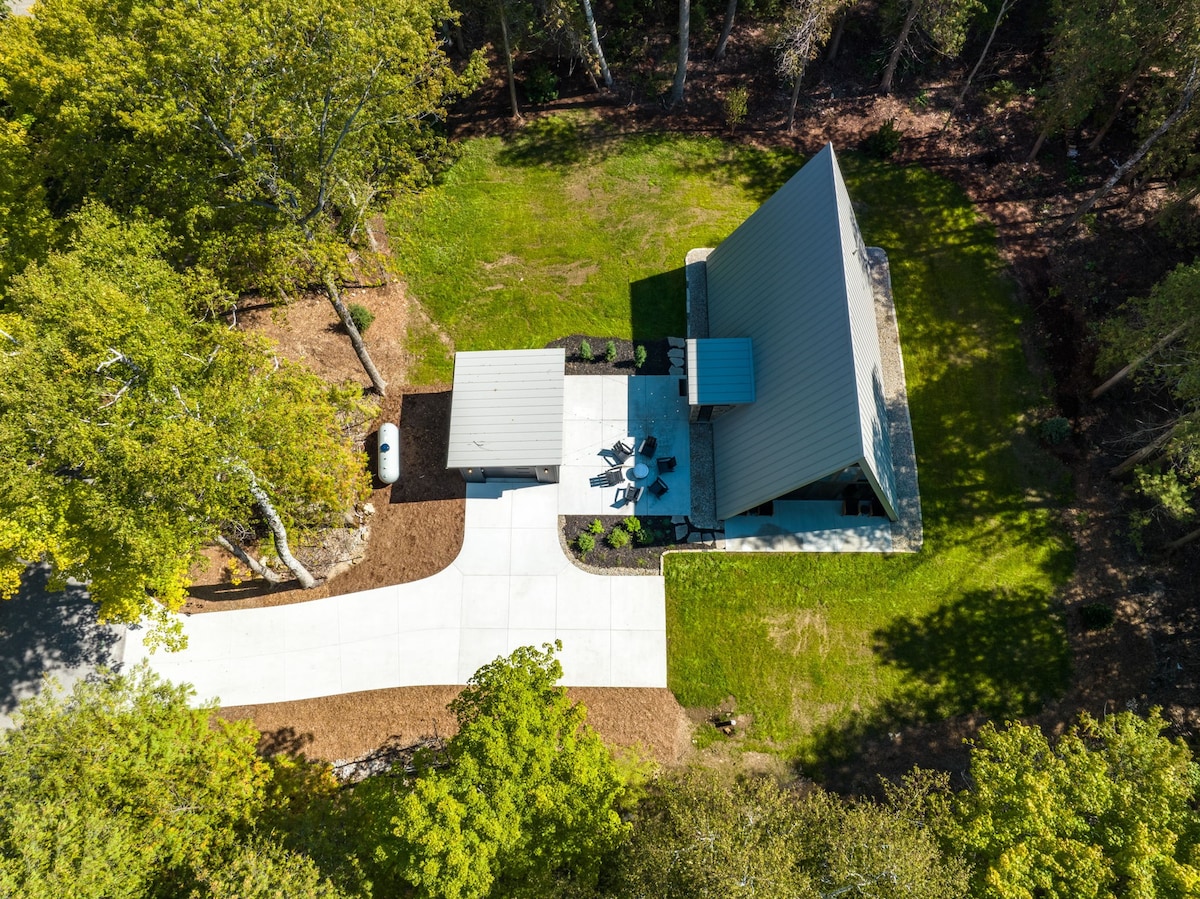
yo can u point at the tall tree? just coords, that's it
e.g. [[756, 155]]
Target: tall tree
[[526, 797], [945, 22], [138, 432], [263, 133], [1005, 7], [805, 27], [726, 28], [594, 36], [1106, 810], [685, 26]]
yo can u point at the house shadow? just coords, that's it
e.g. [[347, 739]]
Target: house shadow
[[658, 305], [989, 654], [424, 442], [50, 632]]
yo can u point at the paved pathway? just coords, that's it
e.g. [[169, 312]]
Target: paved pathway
[[511, 585]]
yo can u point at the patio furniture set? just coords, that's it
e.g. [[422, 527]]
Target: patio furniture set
[[630, 473]]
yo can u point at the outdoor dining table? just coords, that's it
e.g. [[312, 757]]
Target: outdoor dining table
[[640, 471]]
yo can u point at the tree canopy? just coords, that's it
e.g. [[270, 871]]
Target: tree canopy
[[1106, 810], [137, 430]]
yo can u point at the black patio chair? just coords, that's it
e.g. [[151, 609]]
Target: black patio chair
[[666, 464], [621, 451], [610, 478], [633, 493], [649, 445], [659, 487]]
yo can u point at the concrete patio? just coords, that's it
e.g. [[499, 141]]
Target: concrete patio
[[599, 411], [511, 585]]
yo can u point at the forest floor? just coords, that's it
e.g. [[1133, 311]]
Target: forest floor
[[1148, 657]]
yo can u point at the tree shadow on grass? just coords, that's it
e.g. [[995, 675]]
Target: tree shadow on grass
[[991, 653], [50, 632], [561, 141]]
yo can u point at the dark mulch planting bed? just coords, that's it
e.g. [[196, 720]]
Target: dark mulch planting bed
[[657, 362], [642, 552]]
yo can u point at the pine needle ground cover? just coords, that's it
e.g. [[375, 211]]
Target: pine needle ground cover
[[569, 229]]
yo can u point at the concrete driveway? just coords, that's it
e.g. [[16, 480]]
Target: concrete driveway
[[511, 585]]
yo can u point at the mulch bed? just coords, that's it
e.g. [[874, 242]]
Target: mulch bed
[[640, 554], [657, 362]]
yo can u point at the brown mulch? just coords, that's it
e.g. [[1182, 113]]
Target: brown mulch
[[347, 726]]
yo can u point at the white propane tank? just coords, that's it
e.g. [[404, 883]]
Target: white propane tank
[[389, 453]]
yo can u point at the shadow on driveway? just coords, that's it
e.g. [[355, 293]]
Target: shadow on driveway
[[50, 633]]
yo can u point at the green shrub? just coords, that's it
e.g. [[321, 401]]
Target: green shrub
[[596, 527], [735, 104], [633, 525], [645, 536], [542, 85], [1002, 92], [883, 142], [618, 537], [585, 543], [1054, 430], [361, 316], [639, 356], [585, 351], [1096, 616], [610, 351]]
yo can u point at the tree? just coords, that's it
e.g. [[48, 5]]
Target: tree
[[26, 228], [685, 19], [121, 789], [262, 133], [805, 27], [697, 835], [726, 29], [1106, 810], [1005, 7], [524, 799], [594, 35], [138, 433], [944, 21]]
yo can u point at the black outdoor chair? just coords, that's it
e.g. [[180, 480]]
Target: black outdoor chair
[[649, 445], [633, 493], [666, 464], [621, 451], [659, 487], [610, 478]]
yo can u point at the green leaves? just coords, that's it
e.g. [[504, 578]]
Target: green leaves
[[1106, 810]]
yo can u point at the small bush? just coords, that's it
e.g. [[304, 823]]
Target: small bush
[[1054, 430], [633, 525], [596, 527], [735, 104], [361, 316], [610, 351], [884, 142], [639, 356], [618, 538], [585, 351], [585, 543], [646, 536], [542, 85], [1002, 92], [1096, 616]]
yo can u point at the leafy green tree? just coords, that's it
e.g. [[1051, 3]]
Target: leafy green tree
[[1106, 810], [26, 228], [136, 433], [121, 789], [523, 801], [262, 132], [945, 22], [696, 835]]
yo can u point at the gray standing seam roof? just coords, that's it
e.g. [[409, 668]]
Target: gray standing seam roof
[[720, 371], [794, 278], [507, 408]]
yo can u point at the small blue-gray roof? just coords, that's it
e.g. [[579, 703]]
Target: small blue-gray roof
[[720, 371], [507, 408]]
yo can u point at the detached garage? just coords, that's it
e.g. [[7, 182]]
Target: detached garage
[[506, 415]]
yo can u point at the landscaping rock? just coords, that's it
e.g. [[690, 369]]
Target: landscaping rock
[[676, 342], [678, 519], [676, 370], [681, 531]]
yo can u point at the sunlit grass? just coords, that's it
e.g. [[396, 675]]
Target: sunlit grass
[[571, 229]]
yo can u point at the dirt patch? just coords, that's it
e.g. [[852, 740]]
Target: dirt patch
[[351, 725]]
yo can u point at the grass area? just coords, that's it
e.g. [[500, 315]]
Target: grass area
[[570, 229], [825, 649]]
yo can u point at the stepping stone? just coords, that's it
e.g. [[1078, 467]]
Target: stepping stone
[[673, 353], [678, 519], [695, 538], [681, 531], [678, 342], [676, 370]]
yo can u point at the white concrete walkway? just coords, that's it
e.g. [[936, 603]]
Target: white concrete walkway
[[510, 586]]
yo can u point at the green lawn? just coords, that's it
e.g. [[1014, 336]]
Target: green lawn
[[574, 230]]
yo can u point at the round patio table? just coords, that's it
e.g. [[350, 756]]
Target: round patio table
[[640, 471]]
